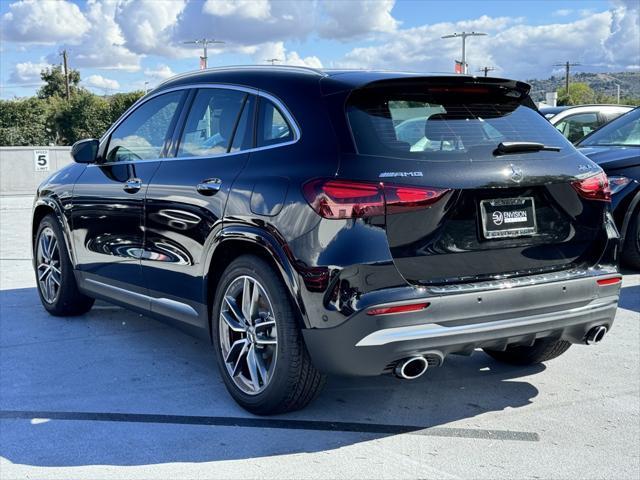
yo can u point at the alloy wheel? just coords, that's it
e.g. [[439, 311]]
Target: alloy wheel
[[48, 261], [248, 335]]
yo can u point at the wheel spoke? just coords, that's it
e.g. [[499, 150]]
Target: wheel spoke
[[255, 302], [49, 288], [238, 365], [53, 243], [253, 368], [55, 278], [266, 341], [262, 368], [55, 269], [232, 323], [43, 270], [266, 323], [235, 350], [246, 300], [43, 247], [233, 307]]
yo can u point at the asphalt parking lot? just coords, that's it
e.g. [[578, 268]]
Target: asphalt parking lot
[[113, 394]]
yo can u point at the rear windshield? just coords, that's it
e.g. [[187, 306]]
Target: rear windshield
[[444, 123]]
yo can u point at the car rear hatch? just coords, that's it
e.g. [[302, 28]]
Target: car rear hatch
[[466, 197]]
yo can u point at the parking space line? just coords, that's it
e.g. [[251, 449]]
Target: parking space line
[[287, 424]]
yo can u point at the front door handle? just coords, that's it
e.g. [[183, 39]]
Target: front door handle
[[132, 185], [209, 187]]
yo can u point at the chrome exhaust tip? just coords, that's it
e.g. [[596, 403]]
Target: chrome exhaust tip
[[411, 368], [595, 335]]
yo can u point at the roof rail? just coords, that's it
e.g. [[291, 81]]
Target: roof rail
[[244, 67]]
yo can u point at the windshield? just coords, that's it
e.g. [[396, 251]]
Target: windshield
[[623, 131], [444, 123]]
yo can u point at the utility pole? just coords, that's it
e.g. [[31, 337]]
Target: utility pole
[[146, 87], [204, 42], [66, 74], [486, 70], [567, 66], [272, 60], [464, 36], [618, 92]]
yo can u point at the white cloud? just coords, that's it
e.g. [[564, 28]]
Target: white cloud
[[259, 9], [147, 25], [43, 22], [161, 72], [348, 19], [608, 39], [277, 50], [103, 45], [27, 72], [562, 12], [244, 23], [98, 81]]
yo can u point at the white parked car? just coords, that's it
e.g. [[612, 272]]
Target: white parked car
[[577, 122]]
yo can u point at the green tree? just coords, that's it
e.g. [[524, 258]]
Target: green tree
[[55, 84], [25, 122], [85, 116], [579, 93]]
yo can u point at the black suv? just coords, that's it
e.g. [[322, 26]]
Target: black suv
[[310, 222]]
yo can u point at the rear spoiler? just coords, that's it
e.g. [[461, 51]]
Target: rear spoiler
[[450, 82]]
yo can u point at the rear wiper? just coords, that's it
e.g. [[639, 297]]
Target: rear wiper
[[505, 148]]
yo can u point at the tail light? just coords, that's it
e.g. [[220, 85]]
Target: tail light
[[609, 281], [337, 199], [595, 187]]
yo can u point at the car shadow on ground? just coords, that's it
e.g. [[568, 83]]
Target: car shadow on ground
[[630, 298], [87, 391]]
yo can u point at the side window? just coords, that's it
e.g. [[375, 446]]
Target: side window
[[141, 136], [273, 128], [211, 122], [577, 126]]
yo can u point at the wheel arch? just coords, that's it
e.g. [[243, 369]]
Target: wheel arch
[[634, 206], [234, 241], [42, 208]]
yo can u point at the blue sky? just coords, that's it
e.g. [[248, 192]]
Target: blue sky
[[118, 45]]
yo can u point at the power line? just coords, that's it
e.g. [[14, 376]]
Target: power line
[[567, 65], [204, 42], [486, 70], [464, 36]]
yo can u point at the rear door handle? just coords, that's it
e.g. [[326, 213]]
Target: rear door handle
[[132, 185], [209, 187]]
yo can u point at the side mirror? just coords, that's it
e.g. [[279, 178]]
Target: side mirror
[[85, 151]]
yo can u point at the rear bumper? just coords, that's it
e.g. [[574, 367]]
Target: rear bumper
[[461, 322]]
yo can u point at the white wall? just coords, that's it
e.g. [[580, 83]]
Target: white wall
[[17, 168]]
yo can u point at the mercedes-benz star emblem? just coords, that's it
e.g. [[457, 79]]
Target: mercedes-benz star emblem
[[516, 174]]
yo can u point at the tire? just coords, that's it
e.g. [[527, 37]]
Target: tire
[[542, 350], [631, 247], [67, 300], [292, 381]]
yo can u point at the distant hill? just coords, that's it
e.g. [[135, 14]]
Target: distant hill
[[602, 83]]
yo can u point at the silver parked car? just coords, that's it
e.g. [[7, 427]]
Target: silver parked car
[[577, 122]]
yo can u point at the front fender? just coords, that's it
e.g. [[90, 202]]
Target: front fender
[[52, 204]]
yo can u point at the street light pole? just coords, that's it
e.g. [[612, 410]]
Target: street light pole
[[464, 36], [204, 42]]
